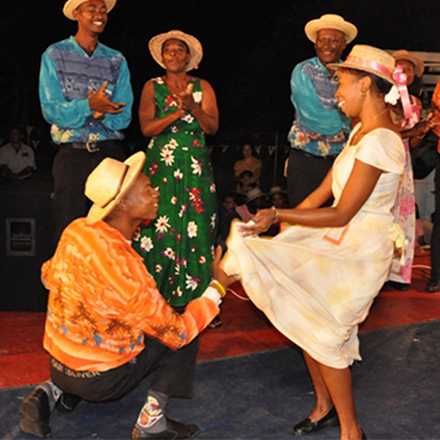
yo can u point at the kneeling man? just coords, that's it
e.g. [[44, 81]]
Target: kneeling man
[[108, 326]]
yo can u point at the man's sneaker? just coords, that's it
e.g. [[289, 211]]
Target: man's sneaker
[[175, 430], [36, 413]]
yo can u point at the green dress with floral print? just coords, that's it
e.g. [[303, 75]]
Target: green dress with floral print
[[178, 246]]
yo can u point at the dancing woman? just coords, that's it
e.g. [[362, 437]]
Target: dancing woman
[[317, 280]]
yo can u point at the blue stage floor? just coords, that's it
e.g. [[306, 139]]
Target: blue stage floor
[[262, 395]]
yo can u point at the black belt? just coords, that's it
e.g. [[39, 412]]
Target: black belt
[[329, 157], [91, 147]]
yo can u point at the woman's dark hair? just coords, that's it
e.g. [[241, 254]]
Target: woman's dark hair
[[380, 85]]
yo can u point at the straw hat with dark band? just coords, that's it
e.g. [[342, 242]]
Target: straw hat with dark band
[[419, 65], [331, 21], [109, 182], [195, 48], [369, 59], [71, 5]]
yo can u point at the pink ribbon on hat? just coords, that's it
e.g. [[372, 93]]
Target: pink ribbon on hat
[[370, 64], [400, 79]]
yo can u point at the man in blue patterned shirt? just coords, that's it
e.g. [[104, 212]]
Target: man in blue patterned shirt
[[86, 96], [320, 129]]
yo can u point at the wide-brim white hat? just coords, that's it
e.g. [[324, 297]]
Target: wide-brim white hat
[[330, 21], [71, 5], [109, 182], [195, 47]]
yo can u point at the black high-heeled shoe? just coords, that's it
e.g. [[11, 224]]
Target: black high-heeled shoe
[[307, 426]]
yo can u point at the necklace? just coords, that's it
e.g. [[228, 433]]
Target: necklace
[[377, 116], [363, 130]]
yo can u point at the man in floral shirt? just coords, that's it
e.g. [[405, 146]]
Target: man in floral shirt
[[320, 129], [86, 96]]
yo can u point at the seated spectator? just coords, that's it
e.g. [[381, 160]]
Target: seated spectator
[[247, 171], [227, 214], [278, 197], [108, 326], [255, 200], [17, 160]]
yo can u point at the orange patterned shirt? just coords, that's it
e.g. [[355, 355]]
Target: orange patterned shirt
[[102, 300]]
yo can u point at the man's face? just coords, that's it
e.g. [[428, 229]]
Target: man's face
[[329, 45], [229, 204], [15, 136], [142, 200], [91, 15]]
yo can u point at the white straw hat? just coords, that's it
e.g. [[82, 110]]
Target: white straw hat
[[369, 59], [195, 47], [109, 182], [331, 21], [71, 5]]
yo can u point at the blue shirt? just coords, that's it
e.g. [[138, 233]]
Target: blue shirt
[[320, 128], [67, 74]]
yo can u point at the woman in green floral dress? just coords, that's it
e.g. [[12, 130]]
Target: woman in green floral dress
[[176, 111]]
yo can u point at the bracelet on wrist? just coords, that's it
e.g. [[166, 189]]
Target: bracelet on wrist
[[277, 215], [218, 286]]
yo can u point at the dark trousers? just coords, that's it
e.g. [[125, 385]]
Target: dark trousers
[[435, 237], [70, 171], [173, 374], [304, 174]]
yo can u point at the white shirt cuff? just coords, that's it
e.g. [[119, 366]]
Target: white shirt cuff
[[213, 295]]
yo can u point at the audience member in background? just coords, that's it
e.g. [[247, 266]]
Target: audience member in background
[[17, 160], [255, 200], [227, 213], [247, 171], [320, 129], [412, 133], [278, 197], [86, 96], [108, 327], [278, 200]]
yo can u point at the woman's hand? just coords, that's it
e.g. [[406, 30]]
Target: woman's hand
[[218, 272], [262, 221], [185, 100]]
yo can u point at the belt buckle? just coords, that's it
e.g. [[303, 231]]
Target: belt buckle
[[92, 147]]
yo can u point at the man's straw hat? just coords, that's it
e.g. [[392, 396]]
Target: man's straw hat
[[109, 182], [195, 48], [330, 21], [71, 5], [419, 65], [369, 59]]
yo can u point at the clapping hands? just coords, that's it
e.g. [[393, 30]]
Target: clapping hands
[[101, 103]]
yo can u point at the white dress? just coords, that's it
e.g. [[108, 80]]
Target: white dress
[[317, 284]]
